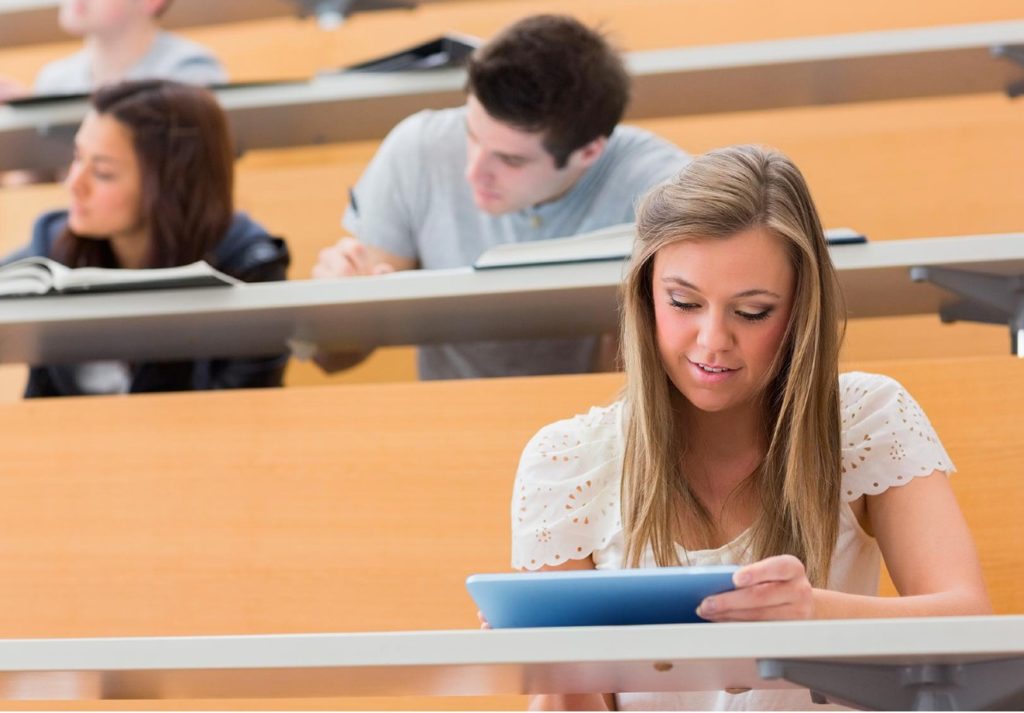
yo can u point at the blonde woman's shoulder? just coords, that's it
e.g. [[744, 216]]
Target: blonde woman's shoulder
[[565, 498], [857, 386], [580, 437]]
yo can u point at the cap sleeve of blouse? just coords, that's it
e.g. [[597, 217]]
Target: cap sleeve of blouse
[[887, 439], [565, 503]]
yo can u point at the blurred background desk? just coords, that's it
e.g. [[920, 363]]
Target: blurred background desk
[[890, 64], [26, 22], [430, 306]]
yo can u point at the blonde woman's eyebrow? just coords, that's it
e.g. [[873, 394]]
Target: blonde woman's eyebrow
[[755, 292]]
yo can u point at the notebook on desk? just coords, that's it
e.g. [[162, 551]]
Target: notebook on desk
[[612, 243], [448, 50], [41, 276], [661, 595], [30, 100]]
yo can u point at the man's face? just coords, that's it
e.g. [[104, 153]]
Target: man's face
[[509, 169], [98, 17]]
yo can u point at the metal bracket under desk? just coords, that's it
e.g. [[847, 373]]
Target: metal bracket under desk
[[992, 299], [981, 685], [1015, 54]]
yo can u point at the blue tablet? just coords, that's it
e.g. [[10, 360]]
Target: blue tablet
[[660, 595]]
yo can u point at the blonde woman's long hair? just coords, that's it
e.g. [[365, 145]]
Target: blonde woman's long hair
[[798, 482]]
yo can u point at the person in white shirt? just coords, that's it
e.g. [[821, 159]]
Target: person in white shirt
[[123, 40], [737, 440]]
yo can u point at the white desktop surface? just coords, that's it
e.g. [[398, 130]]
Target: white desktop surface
[[599, 659], [428, 306]]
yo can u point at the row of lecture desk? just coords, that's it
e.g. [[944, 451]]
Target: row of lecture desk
[[959, 278], [923, 62], [212, 558]]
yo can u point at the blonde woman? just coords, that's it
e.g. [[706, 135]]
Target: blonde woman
[[736, 439]]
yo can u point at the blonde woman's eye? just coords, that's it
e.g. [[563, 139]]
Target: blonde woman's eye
[[754, 316], [683, 305]]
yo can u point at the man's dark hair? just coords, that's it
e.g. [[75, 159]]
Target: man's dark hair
[[551, 74]]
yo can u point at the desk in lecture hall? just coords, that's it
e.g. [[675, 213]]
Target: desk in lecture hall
[[431, 306]]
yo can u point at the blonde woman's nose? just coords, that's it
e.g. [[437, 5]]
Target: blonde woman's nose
[[714, 335]]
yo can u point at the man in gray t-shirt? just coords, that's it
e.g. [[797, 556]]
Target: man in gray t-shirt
[[536, 153], [124, 41]]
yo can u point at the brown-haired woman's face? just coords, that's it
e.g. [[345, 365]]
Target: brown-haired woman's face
[[721, 307], [105, 180]]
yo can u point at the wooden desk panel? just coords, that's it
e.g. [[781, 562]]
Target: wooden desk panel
[[354, 508], [310, 509]]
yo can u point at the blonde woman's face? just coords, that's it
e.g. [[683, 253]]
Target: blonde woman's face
[[721, 308]]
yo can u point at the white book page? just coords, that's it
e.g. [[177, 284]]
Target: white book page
[[86, 279], [613, 242], [30, 276]]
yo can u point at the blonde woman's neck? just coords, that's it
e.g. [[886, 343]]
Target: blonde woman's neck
[[722, 434]]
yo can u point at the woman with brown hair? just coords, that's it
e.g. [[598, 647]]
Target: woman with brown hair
[[737, 440], [151, 185]]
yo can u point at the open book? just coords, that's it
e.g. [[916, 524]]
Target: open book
[[40, 276], [612, 243], [449, 50]]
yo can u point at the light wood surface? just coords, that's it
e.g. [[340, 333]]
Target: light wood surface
[[301, 48], [298, 510], [354, 508]]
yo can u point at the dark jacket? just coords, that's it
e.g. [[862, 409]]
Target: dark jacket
[[246, 252]]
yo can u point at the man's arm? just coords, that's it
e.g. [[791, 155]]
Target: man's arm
[[350, 258], [9, 89]]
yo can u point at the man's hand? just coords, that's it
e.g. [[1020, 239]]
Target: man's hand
[[9, 89], [349, 258]]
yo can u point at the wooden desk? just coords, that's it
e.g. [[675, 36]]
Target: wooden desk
[[27, 22], [984, 655], [356, 508], [671, 82], [430, 306]]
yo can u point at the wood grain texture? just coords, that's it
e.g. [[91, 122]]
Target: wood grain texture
[[295, 509], [356, 507]]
